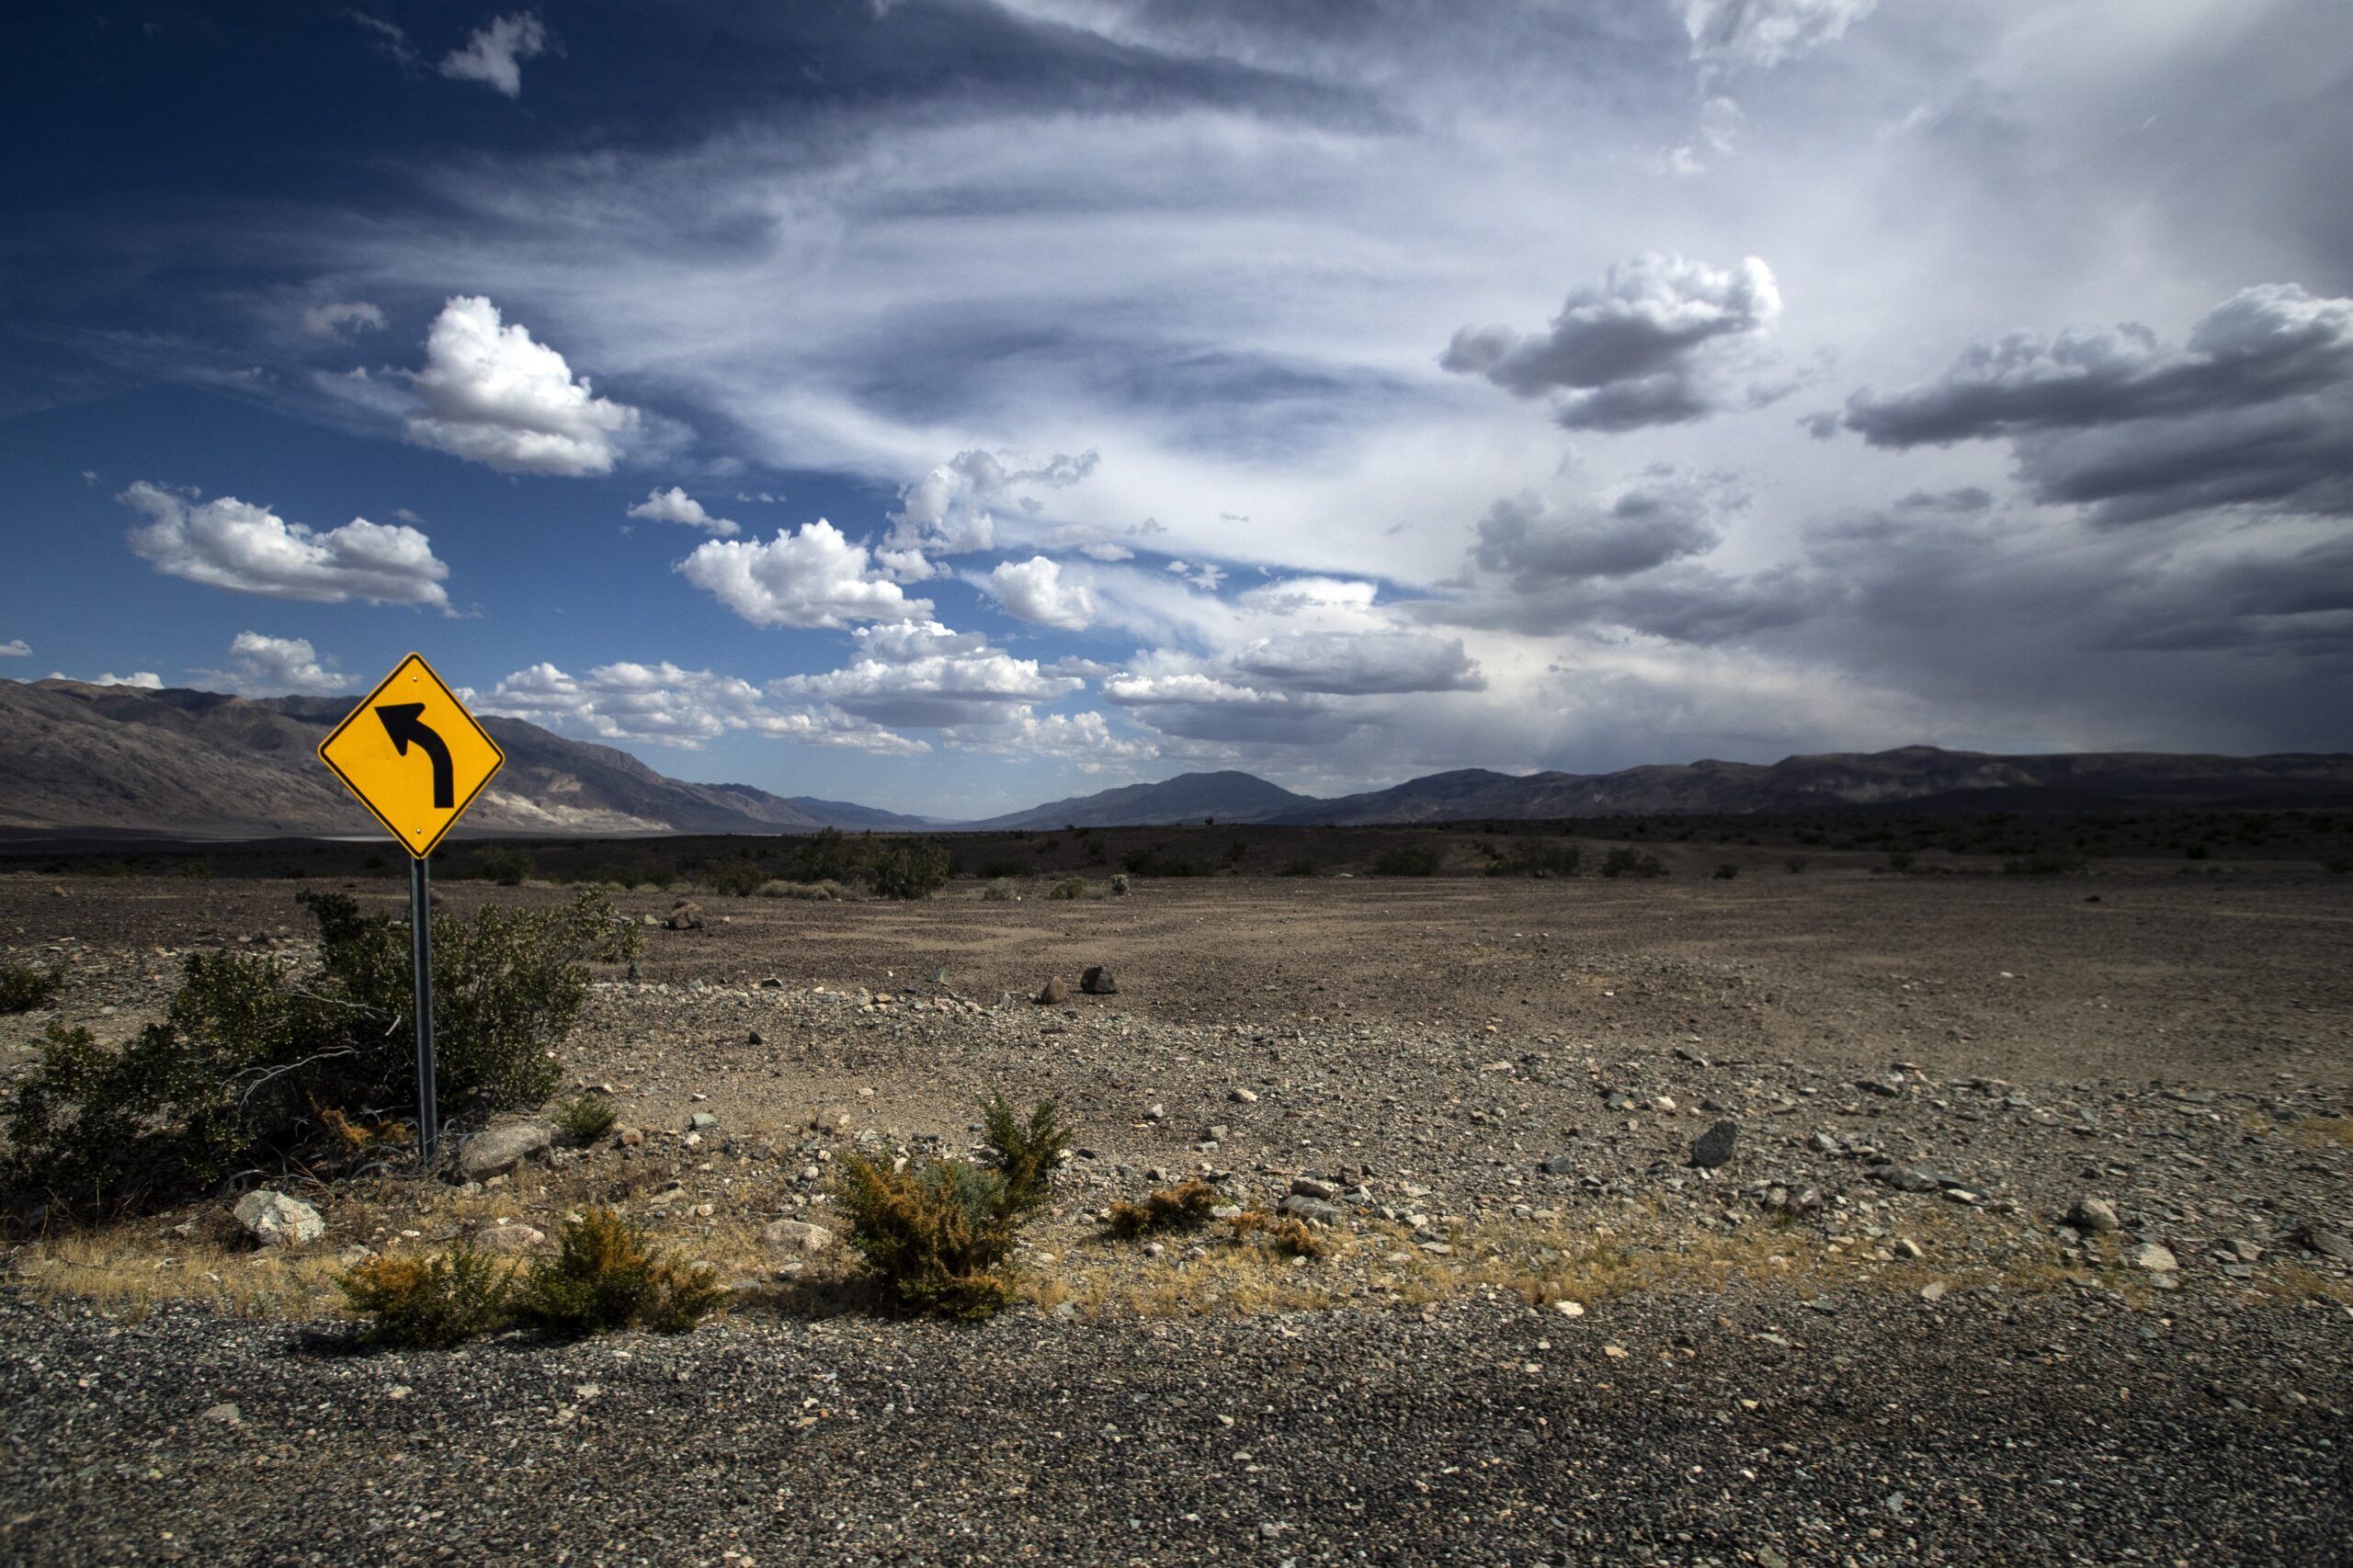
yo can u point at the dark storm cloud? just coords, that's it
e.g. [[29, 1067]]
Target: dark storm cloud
[[1648, 526], [2258, 346], [1359, 664], [1629, 351], [2296, 456]]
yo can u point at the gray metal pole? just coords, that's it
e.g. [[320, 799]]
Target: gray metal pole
[[420, 925]]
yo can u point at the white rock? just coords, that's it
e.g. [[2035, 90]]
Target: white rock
[[797, 1236], [508, 1238], [276, 1220], [2155, 1258], [495, 1150], [1569, 1309]]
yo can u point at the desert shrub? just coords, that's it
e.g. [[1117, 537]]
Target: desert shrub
[[935, 1236], [1071, 888], [1302, 866], [604, 1276], [507, 866], [891, 866], [908, 869], [2337, 867], [23, 987], [1726, 872], [431, 1303], [738, 876], [1185, 1207], [1118, 884], [814, 892], [585, 1120], [1411, 861], [1626, 862], [1528, 857], [1284, 1233], [1794, 866], [253, 1054], [1157, 863], [997, 871], [1002, 890], [1901, 860]]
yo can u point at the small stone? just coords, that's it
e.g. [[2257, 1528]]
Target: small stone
[[1242, 1096], [1615, 1352], [1098, 981], [2155, 1257], [1933, 1292], [1886, 1088], [2093, 1216], [797, 1236], [1962, 1195], [1215, 1133], [227, 1415], [1559, 1165], [1714, 1147], [701, 1121], [630, 1138], [1057, 990], [276, 1220], [685, 915], [1311, 1209], [1905, 1246], [755, 1038], [1308, 1187], [1156, 1113], [507, 1238], [1569, 1309]]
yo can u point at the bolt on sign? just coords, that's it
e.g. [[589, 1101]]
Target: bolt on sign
[[413, 755]]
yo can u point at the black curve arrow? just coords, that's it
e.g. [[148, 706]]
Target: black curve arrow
[[403, 723]]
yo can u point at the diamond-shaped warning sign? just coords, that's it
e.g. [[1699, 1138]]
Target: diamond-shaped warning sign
[[412, 755]]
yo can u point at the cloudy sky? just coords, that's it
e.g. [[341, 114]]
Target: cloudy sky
[[950, 404]]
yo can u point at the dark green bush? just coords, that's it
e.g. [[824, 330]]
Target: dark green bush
[[585, 1120], [935, 1236], [254, 1055], [1071, 888], [507, 866], [891, 866], [23, 988], [1302, 866], [605, 1277], [1726, 872], [1625, 861], [431, 1304], [1406, 862], [738, 875]]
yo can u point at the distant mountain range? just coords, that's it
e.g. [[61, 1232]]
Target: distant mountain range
[[198, 764], [201, 764]]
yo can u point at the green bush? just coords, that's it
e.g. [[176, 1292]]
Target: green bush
[[738, 876], [585, 1120], [891, 866], [253, 1054], [1626, 862], [605, 1277], [1406, 862], [1002, 890], [1071, 888], [935, 1236], [1118, 884], [507, 866], [430, 1304], [23, 988]]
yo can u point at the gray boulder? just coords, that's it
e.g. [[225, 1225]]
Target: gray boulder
[[1098, 981], [495, 1150], [276, 1220], [797, 1236], [2093, 1216], [1713, 1147]]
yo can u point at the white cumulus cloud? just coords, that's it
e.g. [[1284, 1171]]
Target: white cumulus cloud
[[493, 395], [922, 674], [664, 704], [261, 665], [674, 505], [16, 648], [812, 577], [1034, 590], [229, 543], [493, 55]]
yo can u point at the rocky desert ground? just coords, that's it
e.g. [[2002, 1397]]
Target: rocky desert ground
[[1833, 1218]]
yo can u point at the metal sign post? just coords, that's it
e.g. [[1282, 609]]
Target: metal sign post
[[420, 928], [417, 767]]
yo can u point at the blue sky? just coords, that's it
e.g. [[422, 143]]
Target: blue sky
[[952, 406]]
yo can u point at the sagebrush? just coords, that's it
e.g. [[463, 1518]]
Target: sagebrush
[[431, 1303], [606, 1276], [258, 1061], [935, 1236], [23, 987]]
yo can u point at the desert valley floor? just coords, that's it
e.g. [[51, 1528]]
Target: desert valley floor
[[1888, 1328]]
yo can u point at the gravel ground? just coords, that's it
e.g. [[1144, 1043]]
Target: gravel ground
[[1882, 1330]]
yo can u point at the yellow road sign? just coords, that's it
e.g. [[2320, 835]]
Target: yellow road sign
[[412, 755]]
